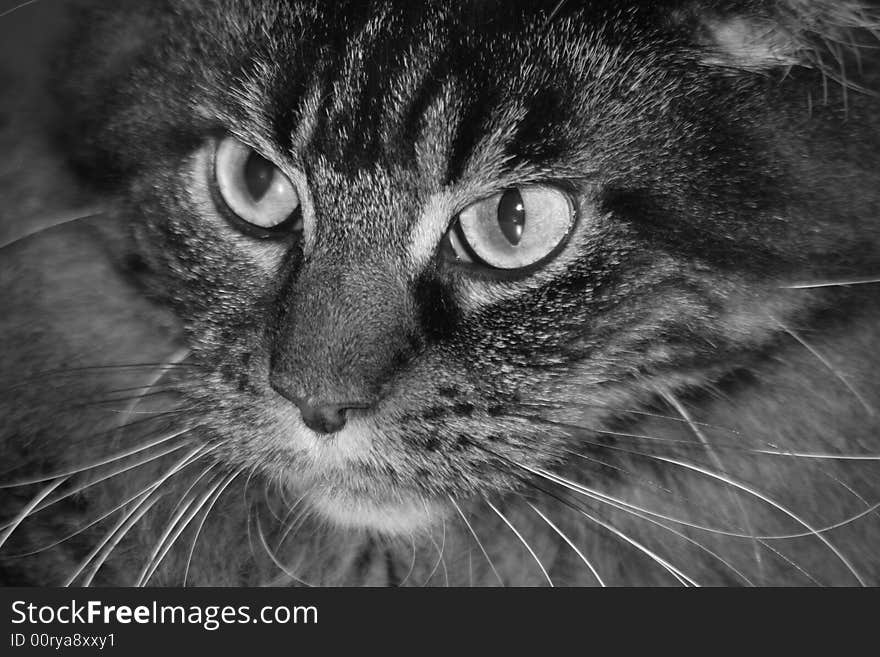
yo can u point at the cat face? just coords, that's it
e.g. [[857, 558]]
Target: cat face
[[413, 244]]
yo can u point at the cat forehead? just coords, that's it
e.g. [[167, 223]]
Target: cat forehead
[[423, 88]]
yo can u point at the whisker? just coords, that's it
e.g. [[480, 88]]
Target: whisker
[[544, 404], [711, 530], [83, 528], [118, 472], [189, 461], [97, 464], [293, 576], [679, 407], [122, 411], [764, 498], [824, 284], [793, 564], [225, 484], [412, 564], [86, 369], [554, 11], [572, 428], [565, 538], [268, 501], [174, 359], [477, 539], [851, 491], [295, 522], [53, 221], [675, 572], [522, 540], [17, 7], [178, 525], [811, 531], [134, 399], [641, 482], [112, 432], [440, 560], [632, 510], [247, 505], [637, 512], [30, 506], [112, 538], [840, 376], [176, 513]]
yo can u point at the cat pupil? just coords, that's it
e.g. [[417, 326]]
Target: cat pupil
[[258, 175], [512, 216]]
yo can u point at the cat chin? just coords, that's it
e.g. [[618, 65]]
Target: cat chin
[[357, 511]]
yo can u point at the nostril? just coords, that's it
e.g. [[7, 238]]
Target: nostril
[[324, 417], [318, 415]]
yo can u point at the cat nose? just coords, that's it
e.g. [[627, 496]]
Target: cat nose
[[324, 417], [319, 415]]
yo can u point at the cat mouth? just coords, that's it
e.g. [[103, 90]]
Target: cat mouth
[[349, 483]]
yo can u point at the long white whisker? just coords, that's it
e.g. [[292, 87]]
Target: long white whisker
[[675, 572], [440, 560], [679, 407], [523, 541], [477, 539], [92, 523], [293, 523], [247, 507], [764, 498], [412, 563], [113, 538], [639, 481], [98, 464], [30, 506], [565, 538], [639, 513], [46, 223], [225, 484], [125, 523], [47, 503], [840, 376], [180, 509], [737, 448], [604, 497], [180, 526], [545, 404], [793, 564], [822, 284], [296, 578], [174, 359], [76, 371], [17, 7]]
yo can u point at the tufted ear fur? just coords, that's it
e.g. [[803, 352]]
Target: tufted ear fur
[[761, 35]]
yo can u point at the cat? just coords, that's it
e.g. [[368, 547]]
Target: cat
[[465, 293]]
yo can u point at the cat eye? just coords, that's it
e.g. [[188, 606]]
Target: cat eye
[[255, 189], [515, 229]]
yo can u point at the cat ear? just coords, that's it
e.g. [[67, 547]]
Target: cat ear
[[760, 35]]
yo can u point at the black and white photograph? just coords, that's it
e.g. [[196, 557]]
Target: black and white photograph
[[436, 293]]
